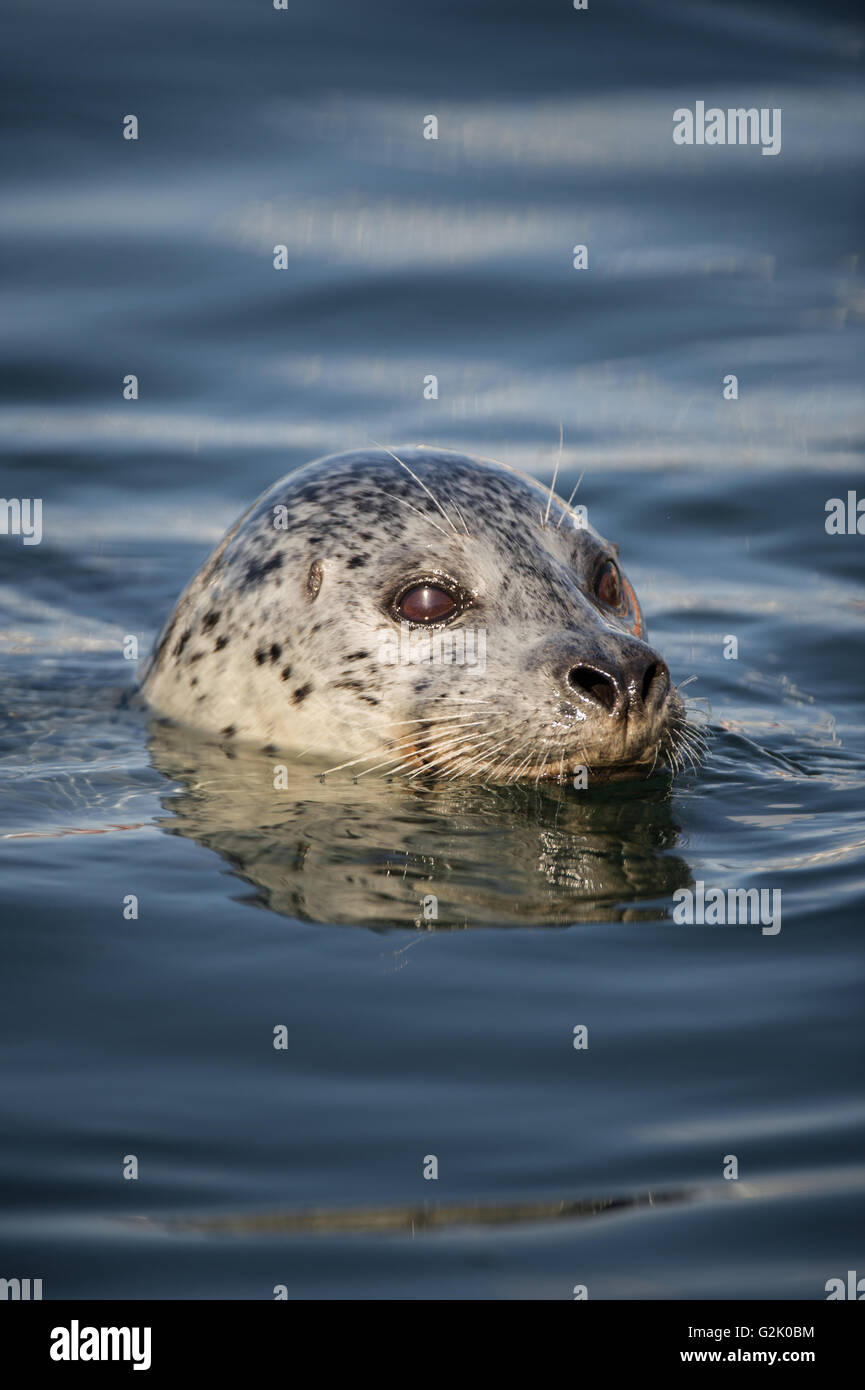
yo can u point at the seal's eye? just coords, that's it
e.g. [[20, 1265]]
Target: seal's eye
[[608, 586], [426, 603]]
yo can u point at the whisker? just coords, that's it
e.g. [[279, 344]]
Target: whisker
[[555, 473], [456, 508], [654, 760], [427, 719], [518, 768], [406, 743], [571, 498], [436, 741], [431, 754], [465, 769], [502, 762], [406, 503], [420, 482], [364, 758], [442, 756], [539, 771]]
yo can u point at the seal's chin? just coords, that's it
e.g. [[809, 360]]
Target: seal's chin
[[560, 765], [572, 770], [601, 772]]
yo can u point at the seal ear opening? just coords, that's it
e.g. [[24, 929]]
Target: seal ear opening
[[314, 578]]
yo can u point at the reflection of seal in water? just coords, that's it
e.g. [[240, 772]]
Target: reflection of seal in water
[[371, 853], [297, 630]]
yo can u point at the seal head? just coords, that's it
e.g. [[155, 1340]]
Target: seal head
[[420, 610]]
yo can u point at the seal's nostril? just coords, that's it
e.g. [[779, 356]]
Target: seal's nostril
[[648, 678], [655, 681], [598, 686]]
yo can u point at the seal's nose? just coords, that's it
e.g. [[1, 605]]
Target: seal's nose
[[638, 681]]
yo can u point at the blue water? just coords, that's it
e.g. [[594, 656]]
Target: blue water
[[153, 1037]]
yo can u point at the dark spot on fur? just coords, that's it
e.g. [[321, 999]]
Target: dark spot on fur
[[275, 651], [285, 672], [220, 643], [356, 656], [301, 693], [261, 656], [256, 570], [183, 641], [349, 685], [356, 561], [229, 730], [210, 620], [370, 699]]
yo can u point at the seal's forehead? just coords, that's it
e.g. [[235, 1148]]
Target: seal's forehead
[[409, 488]]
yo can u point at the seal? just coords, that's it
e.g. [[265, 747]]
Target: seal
[[421, 611]]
